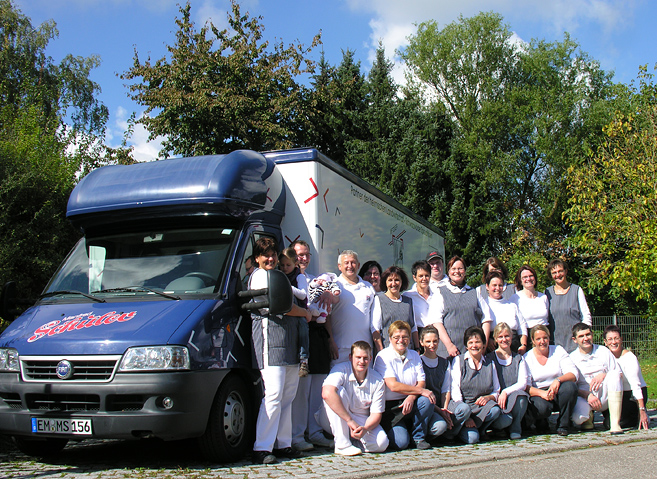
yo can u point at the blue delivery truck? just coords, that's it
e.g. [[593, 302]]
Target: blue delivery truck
[[141, 332]]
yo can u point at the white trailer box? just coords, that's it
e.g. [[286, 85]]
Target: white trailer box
[[334, 210]]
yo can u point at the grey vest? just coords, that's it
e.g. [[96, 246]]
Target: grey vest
[[435, 377], [461, 311], [564, 313], [475, 384], [506, 375], [392, 311]]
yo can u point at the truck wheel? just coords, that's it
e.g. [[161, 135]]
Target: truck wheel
[[39, 447], [227, 435]]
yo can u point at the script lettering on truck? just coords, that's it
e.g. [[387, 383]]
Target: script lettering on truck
[[80, 321]]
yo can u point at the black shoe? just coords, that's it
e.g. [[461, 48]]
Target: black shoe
[[263, 457], [562, 431], [287, 452], [422, 445]]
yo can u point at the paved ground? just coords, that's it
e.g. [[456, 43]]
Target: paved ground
[[121, 459]]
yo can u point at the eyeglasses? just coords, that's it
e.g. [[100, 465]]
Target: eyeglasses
[[398, 338], [457, 269]]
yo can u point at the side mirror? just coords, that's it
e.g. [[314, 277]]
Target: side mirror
[[8, 301], [279, 294]]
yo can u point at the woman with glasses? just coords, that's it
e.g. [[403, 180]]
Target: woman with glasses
[[409, 404], [455, 308], [532, 305]]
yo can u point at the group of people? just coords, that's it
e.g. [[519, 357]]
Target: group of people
[[371, 363]]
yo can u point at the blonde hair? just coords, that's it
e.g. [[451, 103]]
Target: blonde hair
[[397, 326]]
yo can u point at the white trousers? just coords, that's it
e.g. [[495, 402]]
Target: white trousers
[[307, 400], [613, 382], [372, 441], [274, 425]]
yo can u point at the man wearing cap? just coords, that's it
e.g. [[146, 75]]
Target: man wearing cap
[[438, 276]]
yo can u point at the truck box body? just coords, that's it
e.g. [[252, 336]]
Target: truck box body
[[140, 332]]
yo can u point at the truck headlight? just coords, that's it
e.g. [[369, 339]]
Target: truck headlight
[[9, 360], [155, 358]]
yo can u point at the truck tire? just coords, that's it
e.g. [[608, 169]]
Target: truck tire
[[228, 433], [39, 447]]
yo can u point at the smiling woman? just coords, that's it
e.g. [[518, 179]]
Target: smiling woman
[[390, 306]]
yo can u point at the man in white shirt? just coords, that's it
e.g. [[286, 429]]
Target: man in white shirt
[[351, 315], [354, 404], [600, 384]]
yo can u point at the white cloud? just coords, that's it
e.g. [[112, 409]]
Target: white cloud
[[144, 150], [393, 20]]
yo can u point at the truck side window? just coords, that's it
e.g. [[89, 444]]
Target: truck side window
[[248, 263]]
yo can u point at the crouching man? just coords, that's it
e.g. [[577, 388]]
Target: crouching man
[[600, 381], [354, 403]]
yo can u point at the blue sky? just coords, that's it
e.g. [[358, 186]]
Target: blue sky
[[620, 34]]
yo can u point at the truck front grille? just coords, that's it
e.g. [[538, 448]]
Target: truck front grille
[[86, 368], [63, 402], [13, 400]]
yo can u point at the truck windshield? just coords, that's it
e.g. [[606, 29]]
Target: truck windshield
[[184, 261]]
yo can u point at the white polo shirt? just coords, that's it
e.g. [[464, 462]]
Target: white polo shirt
[[420, 307], [600, 360], [363, 399], [407, 370], [350, 317]]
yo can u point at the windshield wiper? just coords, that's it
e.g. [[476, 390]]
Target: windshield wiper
[[138, 289], [57, 293]]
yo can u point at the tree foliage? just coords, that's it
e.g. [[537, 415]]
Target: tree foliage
[[222, 90], [613, 202], [522, 113], [50, 127]]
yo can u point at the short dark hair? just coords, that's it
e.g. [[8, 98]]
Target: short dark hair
[[399, 272], [429, 330], [453, 260], [494, 274], [264, 244], [518, 280], [612, 328], [420, 265], [364, 345], [474, 331], [299, 242], [368, 265], [580, 327], [557, 262]]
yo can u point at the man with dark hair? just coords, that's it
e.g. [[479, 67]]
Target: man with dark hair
[[354, 403]]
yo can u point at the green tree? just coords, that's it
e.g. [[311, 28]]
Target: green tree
[[521, 114], [613, 202], [50, 125], [222, 90]]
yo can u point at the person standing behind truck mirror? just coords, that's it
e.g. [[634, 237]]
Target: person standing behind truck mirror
[[275, 343], [371, 272], [567, 306], [351, 316], [309, 393]]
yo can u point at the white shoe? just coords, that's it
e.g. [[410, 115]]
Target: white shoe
[[319, 440], [348, 451], [302, 446], [515, 435]]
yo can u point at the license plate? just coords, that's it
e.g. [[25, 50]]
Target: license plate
[[80, 427]]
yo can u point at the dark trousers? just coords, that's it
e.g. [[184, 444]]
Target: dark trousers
[[565, 401]]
